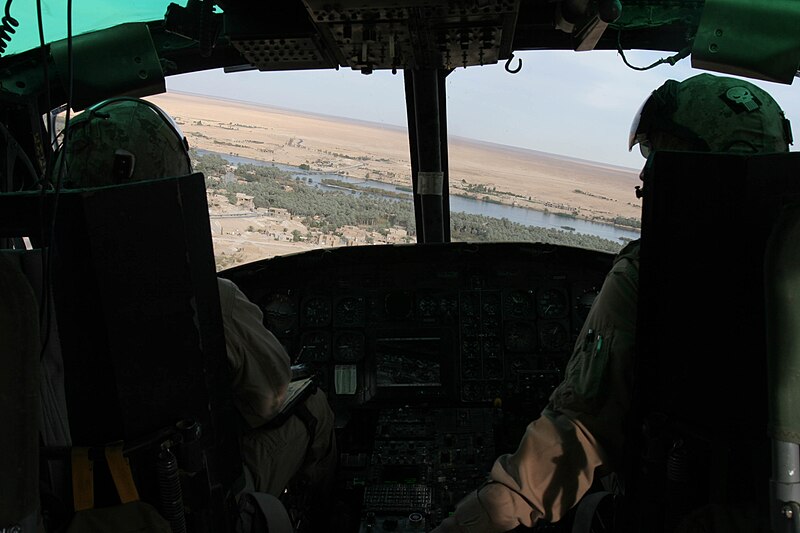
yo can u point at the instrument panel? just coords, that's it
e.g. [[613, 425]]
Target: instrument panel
[[446, 324]]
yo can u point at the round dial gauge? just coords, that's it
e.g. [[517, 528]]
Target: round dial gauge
[[552, 303], [349, 347], [315, 346], [491, 306], [471, 392], [449, 305], [469, 305], [518, 303], [350, 311], [553, 336], [280, 313], [316, 312], [519, 337], [427, 306]]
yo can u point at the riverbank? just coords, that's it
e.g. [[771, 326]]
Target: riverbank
[[458, 203], [506, 175]]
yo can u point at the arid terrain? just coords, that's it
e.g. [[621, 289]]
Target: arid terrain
[[360, 149], [588, 190]]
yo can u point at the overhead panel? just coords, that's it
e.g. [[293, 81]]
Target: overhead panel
[[275, 36], [398, 35], [290, 53]]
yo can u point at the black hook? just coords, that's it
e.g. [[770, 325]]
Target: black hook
[[508, 64]]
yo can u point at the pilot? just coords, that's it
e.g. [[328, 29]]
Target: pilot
[[579, 434], [124, 140]]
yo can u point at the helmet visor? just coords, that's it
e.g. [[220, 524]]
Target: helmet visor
[[635, 136]]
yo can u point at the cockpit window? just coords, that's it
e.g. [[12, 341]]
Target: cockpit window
[[292, 169]]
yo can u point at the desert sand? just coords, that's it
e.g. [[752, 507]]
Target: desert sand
[[357, 149]]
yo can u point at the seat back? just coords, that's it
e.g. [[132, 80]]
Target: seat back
[[135, 293], [701, 375], [19, 382]]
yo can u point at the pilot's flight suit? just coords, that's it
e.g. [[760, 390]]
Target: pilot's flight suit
[[582, 426], [261, 371]]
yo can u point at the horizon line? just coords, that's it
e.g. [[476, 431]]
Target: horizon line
[[404, 128]]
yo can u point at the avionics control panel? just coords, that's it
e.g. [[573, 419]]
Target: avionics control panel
[[455, 323]]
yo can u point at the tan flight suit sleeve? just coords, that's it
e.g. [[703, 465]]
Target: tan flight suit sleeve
[[260, 366], [552, 468], [581, 428]]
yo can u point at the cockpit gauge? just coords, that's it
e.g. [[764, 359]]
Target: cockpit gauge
[[471, 391], [348, 347], [519, 336], [470, 330], [518, 303], [280, 313], [469, 304], [350, 311], [316, 312], [471, 370], [490, 305], [470, 347], [552, 303], [553, 336], [315, 346], [449, 305], [427, 307], [491, 347]]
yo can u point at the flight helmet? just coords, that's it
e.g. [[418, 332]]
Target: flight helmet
[[122, 140], [708, 113]]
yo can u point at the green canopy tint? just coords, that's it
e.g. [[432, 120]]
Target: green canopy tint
[[87, 15]]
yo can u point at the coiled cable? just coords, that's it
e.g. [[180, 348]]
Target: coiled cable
[[7, 25], [169, 485]]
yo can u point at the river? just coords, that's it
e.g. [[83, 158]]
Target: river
[[461, 204]]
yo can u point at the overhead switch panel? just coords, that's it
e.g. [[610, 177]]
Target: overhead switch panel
[[397, 35]]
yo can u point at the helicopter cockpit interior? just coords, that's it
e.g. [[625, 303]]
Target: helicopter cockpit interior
[[434, 355]]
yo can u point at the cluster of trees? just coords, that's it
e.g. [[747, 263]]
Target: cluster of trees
[[468, 227], [328, 211], [627, 222]]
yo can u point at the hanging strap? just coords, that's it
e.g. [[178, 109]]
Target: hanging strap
[[82, 479], [83, 476], [121, 473]]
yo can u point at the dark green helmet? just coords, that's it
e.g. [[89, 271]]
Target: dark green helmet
[[119, 141], [708, 113]]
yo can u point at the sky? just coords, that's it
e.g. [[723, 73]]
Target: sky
[[577, 104]]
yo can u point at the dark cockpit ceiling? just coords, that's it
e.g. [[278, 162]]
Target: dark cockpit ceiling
[[744, 38], [314, 34]]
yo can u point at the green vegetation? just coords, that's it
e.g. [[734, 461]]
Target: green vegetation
[[208, 164], [327, 212], [364, 189], [466, 227], [628, 222]]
